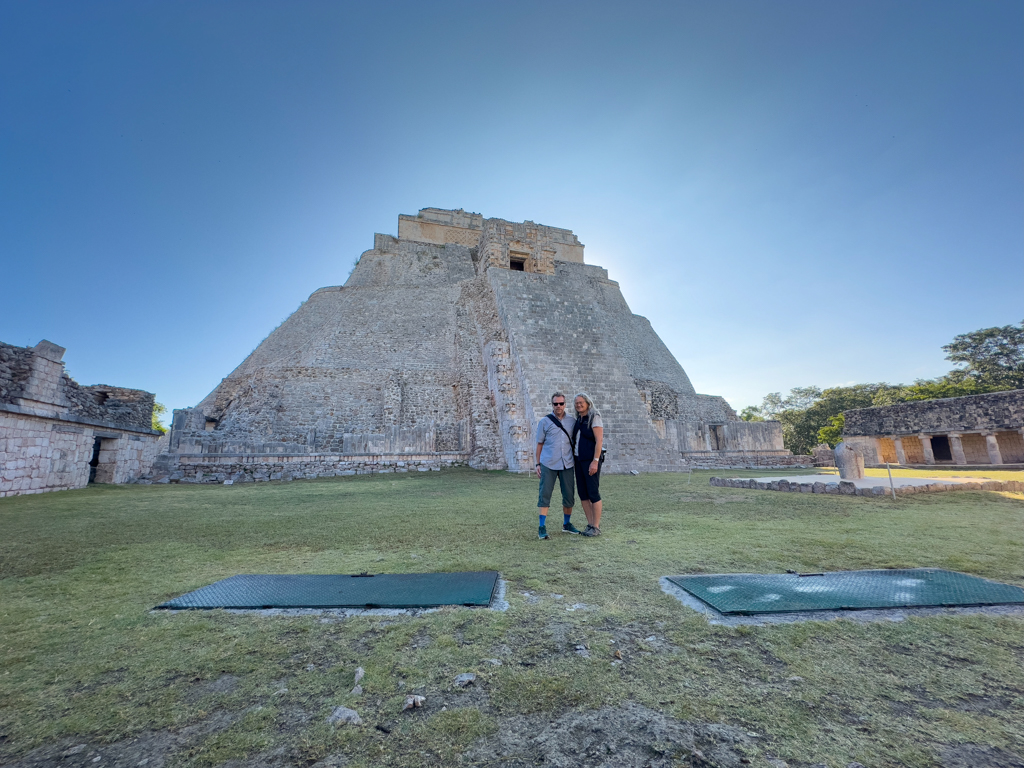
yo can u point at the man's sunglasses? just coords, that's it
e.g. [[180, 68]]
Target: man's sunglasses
[[558, 403]]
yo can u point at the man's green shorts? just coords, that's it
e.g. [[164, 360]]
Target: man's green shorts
[[567, 482]]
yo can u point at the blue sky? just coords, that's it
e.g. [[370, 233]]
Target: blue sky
[[794, 193]]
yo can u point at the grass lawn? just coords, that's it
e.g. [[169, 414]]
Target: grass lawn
[[85, 662]]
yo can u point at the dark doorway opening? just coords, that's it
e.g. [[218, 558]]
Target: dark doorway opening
[[940, 447], [517, 265], [94, 462]]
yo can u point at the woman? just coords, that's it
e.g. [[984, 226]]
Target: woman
[[588, 435]]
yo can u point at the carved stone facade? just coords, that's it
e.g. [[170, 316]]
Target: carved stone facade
[[446, 343], [56, 434], [973, 430]]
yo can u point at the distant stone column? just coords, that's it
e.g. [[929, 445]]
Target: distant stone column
[[926, 448], [957, 448], [849, 462], [901, 456], [994, 456]]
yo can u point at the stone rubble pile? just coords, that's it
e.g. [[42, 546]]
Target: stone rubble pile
[[847, 488]]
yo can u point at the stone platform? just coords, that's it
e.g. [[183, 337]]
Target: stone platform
[[868, 486]]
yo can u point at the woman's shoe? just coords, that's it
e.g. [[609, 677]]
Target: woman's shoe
[[591, 531]]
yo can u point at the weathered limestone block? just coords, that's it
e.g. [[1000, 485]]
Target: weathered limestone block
[[849, 462]]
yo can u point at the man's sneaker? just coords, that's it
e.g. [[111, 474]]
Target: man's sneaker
[[592, 531], [542, 533], [569, 528]]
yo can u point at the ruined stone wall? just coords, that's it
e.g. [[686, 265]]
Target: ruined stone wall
[[15, 367], [40, 454], [128, 408], [746, 460], [49, 425], [995, 411], [730, 436], [249, 469]]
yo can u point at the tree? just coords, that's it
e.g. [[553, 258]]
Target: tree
[[159, 409], [990, 356], [833, 433], [931, 389], [800, 425], [751, 413]]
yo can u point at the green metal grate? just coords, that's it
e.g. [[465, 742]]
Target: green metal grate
[[752, 593], [394, 590]]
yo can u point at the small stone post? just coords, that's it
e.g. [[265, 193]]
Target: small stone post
[[849, 462]]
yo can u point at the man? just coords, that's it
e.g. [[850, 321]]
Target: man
[[554, 461]]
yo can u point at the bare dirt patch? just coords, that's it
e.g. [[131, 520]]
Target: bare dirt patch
[[153, 749], [978, 756], [630, 736]]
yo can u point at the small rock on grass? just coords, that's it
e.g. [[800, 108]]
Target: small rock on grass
[[412, 702], [342, 715], [357, 691], [466, 678], [360, 673]]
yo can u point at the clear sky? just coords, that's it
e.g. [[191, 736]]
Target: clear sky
[[794, 193]]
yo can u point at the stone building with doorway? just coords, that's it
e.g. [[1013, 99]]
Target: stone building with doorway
[[960, 431], [56, 434], [443, 347]]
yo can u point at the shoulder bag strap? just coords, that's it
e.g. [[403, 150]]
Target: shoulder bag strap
[[558, 424]]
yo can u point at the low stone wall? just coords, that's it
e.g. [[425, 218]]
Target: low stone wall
[[744, 460], [846, 488], [241, 468]]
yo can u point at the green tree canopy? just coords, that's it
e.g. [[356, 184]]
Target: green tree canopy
[[833, 433], [159, 409], [991, 357]]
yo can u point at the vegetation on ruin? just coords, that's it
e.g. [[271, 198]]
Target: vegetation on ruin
[[159, 411], [990, 360], [85, 660]]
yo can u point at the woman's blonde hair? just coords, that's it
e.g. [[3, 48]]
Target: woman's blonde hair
[[591, 408]]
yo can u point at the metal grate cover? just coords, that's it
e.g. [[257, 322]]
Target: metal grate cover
[[752, 593], [390, 590]]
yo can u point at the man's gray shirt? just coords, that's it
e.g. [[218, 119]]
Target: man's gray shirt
[[556, 452]]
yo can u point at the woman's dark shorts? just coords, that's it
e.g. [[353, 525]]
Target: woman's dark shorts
[[586, 483]]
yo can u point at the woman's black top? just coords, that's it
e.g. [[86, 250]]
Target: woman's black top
[[583, 435]]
